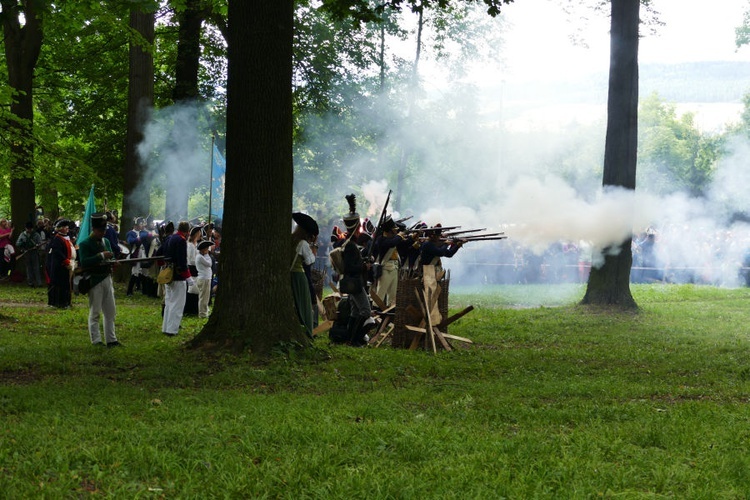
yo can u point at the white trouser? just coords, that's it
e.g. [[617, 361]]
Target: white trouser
[[388, 282], [175, 294], [204, 294], [102, 303]]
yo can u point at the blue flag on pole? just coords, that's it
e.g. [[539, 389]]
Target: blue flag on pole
[[83, 233], [218, 175]]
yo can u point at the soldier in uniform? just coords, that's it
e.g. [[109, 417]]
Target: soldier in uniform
[[386, 251], [96, 260], [175, 293], [435, 248], [61, 261], [133, 237], [111, 234], [355, 272]]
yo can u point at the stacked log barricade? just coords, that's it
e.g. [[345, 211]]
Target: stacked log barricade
[[420, 319]]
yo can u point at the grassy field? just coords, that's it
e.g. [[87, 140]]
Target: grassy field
[[552, 401]]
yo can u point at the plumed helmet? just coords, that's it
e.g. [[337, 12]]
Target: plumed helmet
[[351, 220]]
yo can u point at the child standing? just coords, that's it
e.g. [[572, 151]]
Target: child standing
[[203, 263]]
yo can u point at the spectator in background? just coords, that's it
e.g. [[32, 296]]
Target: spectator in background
[[28, 242], [7, 252], [204, 265]]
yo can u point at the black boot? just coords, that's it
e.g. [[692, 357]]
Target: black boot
[[131, 284], [355, 331]]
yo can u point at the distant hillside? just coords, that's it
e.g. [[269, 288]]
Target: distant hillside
[[697, 82]]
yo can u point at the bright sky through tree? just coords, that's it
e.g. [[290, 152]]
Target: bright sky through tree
[[539, 43]]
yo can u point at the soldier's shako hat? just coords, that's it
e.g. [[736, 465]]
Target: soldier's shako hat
[[436, 230], [351, 220], [368, 227], [388, 224], [98, 221]]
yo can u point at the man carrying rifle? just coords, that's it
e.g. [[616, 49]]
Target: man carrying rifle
[[353, 278], [435, 247], [97, 260], [28, 242], [387, 263]]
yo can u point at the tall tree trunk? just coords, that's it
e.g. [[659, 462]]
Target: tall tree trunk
[[610, 283], [136, 195], [185, 90], [254, 306], [22, 47]]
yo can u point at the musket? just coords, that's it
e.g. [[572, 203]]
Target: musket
[[379, 226], [426, 229], [481, 237], [30, 249], [403, 219], [453, 233], [491, 238], [142, 259]]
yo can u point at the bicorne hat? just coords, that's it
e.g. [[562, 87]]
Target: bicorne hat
[[306, 222]]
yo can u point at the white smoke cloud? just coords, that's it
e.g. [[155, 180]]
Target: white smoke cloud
[[176, 150]]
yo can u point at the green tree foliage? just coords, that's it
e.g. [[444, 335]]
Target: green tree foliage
[[673, 154]]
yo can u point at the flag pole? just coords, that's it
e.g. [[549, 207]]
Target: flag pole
[[211, 180]]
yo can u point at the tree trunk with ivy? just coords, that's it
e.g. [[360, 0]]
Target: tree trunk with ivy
[[610, 283]]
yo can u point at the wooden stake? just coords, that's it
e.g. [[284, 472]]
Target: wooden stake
[[459, 315], [378, 301]]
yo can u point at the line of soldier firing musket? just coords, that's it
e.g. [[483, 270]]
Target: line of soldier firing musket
[[464, 235]]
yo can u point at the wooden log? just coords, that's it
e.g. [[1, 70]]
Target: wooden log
[[459, 315], [333, 287], [385, 311], [378, 301], [413, 313], [415, 341], [430, 334], [442, 340], [385, 335], [455, 337]]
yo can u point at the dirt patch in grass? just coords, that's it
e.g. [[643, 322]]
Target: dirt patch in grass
[[24, 376]]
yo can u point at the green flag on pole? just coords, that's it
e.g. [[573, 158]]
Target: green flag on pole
[[83, 233]]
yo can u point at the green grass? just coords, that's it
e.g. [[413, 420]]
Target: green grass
[[552, 401]]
